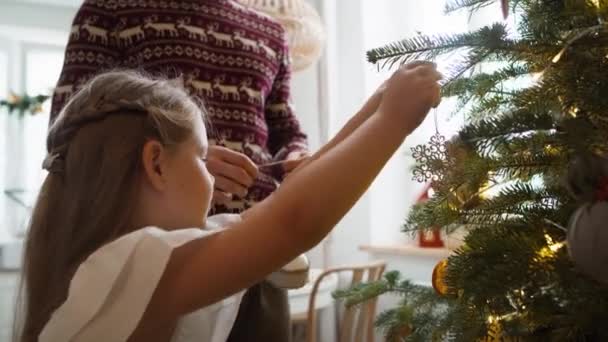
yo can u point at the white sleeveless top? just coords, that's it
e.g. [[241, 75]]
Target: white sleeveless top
[[112, 287]]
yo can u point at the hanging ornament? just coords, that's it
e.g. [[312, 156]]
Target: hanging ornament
[[430, 157], [439, 273], [303, 25], [588, 228], [440, 162], [505, 8], [588, 240], [428, 238]]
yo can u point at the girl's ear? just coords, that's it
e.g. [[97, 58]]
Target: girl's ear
[[154, 158]]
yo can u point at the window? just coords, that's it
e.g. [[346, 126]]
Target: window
[[3, 137], [3, 73], [36, 68], [393, 192], [42, 66], [389, 207]]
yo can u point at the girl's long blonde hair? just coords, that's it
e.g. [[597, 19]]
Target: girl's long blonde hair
[[94, 162]]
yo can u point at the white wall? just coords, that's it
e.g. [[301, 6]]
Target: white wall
[[346, 62], [55, 15], [394, 191], [361, 25]]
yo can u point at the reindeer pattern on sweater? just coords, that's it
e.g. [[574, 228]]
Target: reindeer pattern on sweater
[[231, 57]]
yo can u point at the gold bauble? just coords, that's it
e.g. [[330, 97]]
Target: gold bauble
[[439, 273]]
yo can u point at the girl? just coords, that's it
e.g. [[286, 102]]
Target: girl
[[129, 152]]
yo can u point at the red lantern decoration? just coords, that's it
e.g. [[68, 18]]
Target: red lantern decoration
[[429, 238]]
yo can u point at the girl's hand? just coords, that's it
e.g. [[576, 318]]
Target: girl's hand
[[372, 104], [410, 93], [294, 160]]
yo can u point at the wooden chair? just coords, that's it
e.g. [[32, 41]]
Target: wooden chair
[[357, 323]]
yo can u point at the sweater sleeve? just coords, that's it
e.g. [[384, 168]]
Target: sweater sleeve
[[285, 133]]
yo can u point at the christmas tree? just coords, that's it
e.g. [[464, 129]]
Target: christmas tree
[[536, 131]]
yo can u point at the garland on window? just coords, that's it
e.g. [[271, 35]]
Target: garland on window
[[24, 103]]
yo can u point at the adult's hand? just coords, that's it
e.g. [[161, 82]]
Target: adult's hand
[[295, 160], [234, 173]]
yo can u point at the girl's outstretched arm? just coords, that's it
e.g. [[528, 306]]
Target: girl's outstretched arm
[[302, 211]]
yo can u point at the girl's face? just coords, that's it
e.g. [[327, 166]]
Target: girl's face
[[189, 183]]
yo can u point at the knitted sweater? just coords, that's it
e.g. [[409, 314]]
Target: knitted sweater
[[231, 57]]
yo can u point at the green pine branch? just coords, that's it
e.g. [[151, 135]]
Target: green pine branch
[[523, 167], [418, 307], [484, 41], [488, 133], [471, 5], [480, 84], [489, 91], [521, 196]]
